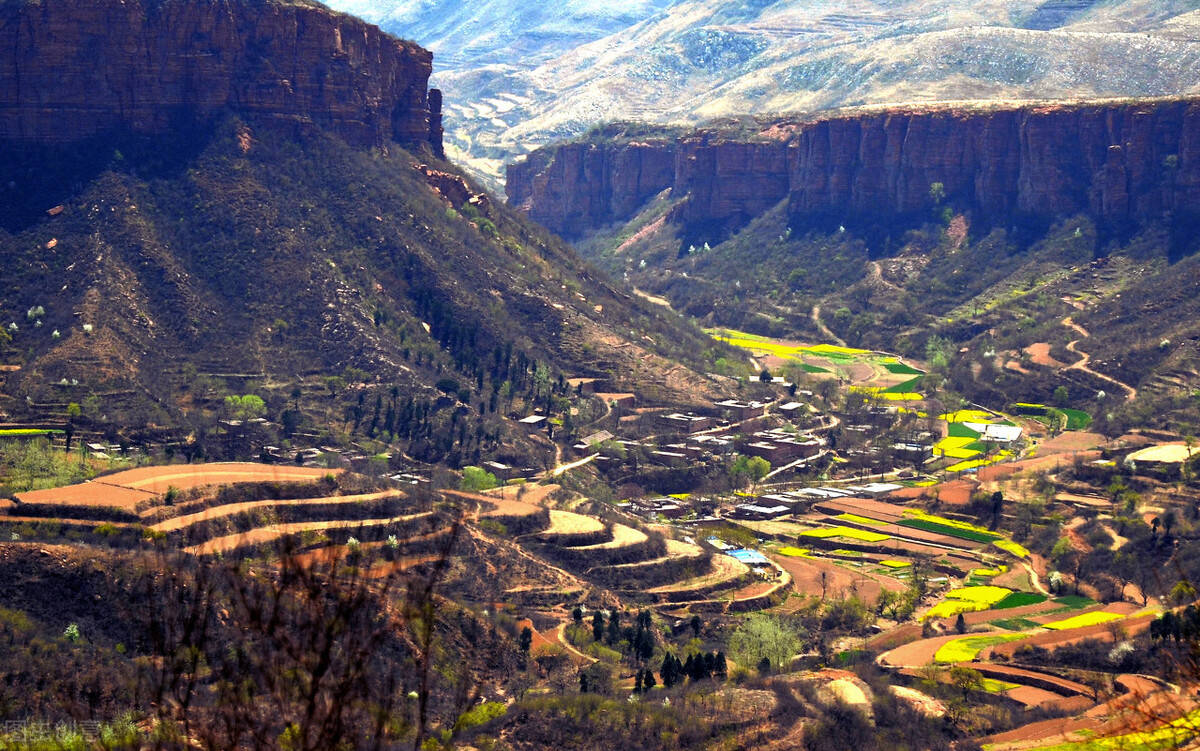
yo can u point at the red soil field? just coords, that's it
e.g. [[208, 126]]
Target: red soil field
[[917, 653], [276, 531], [127, 490], [91, 494], [1001, 471], [806, 579], [187, 476], [1050, 640], [218, 512], [1072, 441]]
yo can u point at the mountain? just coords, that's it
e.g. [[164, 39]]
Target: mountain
[[694, 60], [253, 203], [992, 230]]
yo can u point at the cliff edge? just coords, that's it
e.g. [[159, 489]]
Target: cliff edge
[[82, 68], [1125, 162]]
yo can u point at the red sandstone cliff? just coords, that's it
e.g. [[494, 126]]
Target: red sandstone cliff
[[1120, 162], [78, 68]]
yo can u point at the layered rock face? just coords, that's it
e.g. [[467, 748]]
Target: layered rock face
[[80, 68], [1122, 163]]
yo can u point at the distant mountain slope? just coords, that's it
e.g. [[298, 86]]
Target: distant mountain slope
[[698, 59], [982, 237]]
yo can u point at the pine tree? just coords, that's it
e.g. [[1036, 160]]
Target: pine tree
[[597, 626], [648, 681], [577, 614], [668, 670]]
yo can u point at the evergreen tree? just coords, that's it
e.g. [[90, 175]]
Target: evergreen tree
[[667, 670], [648, 681], [577, 614], [597, 626], [720, 668], [614, 627]]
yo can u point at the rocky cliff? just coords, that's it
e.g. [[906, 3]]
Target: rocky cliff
[[1122, 163], [74, 69]]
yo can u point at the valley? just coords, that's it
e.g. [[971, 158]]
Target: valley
[[866, 426]]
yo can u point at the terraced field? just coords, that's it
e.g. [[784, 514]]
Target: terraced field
[[134, 489], [274, 532], [179, 523]]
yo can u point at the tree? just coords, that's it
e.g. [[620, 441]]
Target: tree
[[960, 624], [765, 637], [765, 376], [937, 193], [751, 468], [614, 627], [597, 626], [696, 624], [966, 679], [476, 479], [1062, 396], [245, 407], [648, 681], [577, 615], [525, 640]]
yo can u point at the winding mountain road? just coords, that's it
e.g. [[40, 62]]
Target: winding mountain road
[[1085, 358], [825, 332]]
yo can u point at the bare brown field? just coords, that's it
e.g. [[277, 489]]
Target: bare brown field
[[806, 579], [276, 531], [675, 551], [1072, 441], [724, 569], [567, 523], [918, 653], [1039, 352], [527, 493], [89, 494], [623, 537], [1054, 461], [218, 512], [188, 476]]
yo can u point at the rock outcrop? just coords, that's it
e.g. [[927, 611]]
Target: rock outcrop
[[75, 69], [1123, 163]]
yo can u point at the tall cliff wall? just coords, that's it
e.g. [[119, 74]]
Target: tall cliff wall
[[1120, 162], [79, 68]]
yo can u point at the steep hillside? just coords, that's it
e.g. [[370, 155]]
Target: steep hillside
[[150, 275], [700, 59], [1002, 235]]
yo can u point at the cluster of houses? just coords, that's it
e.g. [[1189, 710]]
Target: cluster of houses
[[777, 505]]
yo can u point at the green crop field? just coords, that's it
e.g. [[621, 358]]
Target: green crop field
[[959, 430], [907, 387], [1075, 601], [901, 369], [942, 529], [1020, 600]]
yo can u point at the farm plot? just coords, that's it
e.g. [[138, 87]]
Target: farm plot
[[968, 648], [847, 533], [725, 572], [219, 512], [567, 526], [967, 600], [93, 494], [261, 535], [188, 476]]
